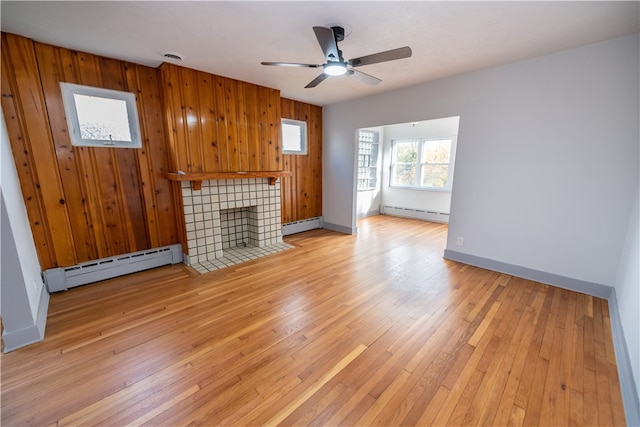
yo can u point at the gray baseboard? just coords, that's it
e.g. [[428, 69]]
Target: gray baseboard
[[590, 288], [627, 385], [340, 228], [34, 333]]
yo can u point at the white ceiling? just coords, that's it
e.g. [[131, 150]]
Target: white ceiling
[[231, 38]]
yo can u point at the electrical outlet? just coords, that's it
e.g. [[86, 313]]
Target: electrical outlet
[[460, 241]]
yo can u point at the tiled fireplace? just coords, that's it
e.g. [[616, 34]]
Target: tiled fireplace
[[229, 221]]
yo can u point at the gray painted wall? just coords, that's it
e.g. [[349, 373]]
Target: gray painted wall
[[547, 164], [627, 293], [23, 297]]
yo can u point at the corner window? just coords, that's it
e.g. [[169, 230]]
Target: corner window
[[294, 136], [423, 163], [100, 117]]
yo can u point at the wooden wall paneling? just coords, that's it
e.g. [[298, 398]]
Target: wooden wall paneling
[[252, 120], [302, 193], [231, 114], [85, 203], [315, 135], [223, 123], [288, 184], [174, 116], [100, 167], [230, 125], [153, 159], [275, 138], [208, 122], [136, 78], [191, 108], [170, 120], [86, 73], [132, 208], [128, 191], [21, 148], [21, 65], [302, 169], [263, 126], [241, 115], [51, 62]]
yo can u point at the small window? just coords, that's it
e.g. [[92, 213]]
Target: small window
[[294, 136], [100, 117], [423, 163], [368, 149]]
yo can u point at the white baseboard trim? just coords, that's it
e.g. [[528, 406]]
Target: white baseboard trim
[[628, 387], [14, 340], [340, 228], [425, 215], [302, 225], [61, 279]]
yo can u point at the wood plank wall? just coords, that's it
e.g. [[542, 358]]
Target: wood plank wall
[[88, 203], [84, 203], [218, 124], [302, 192]]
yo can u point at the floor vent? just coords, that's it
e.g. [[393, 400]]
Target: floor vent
[[61, 279], [302, 225], [416, 214]]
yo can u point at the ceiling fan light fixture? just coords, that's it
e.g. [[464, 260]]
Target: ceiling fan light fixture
[[335, 68]]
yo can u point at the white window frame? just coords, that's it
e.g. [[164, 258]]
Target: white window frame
[[303, 136], [420, 166], [68, 92]]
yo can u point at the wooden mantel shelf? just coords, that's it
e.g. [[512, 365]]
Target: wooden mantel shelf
[[196, 178]]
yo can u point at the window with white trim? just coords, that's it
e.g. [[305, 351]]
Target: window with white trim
[[99, 117], [368, 151], [294, 136], [423, 163]]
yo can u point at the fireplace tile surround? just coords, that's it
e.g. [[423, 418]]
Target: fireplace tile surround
[[229, 221]]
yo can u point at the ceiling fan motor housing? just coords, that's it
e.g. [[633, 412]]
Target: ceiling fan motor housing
[[338, 32]]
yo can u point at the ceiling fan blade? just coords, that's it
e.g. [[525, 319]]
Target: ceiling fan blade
[[327, 41], [388, 55], [315, 82], [364, 77], [291, 64]]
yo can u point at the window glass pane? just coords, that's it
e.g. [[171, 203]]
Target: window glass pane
[[406, 152], [435, 176], [436, 151], [102, 119], [404, 174], [291, 137]]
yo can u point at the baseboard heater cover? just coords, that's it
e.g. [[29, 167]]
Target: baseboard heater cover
[[416, 214], [302, 225], [61, 279]]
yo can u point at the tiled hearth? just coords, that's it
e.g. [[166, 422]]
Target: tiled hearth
[[229, 221]]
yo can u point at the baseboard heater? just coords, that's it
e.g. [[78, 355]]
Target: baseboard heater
[[61, 279], [302, 225], [416, 214]]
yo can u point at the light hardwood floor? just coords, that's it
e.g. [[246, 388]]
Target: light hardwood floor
[[376, 329]]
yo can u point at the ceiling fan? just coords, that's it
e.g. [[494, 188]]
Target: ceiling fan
[[328, 39]]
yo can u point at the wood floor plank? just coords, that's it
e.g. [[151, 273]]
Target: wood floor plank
[[373, 329]]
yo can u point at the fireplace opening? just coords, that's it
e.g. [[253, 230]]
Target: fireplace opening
[[239, 227]]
